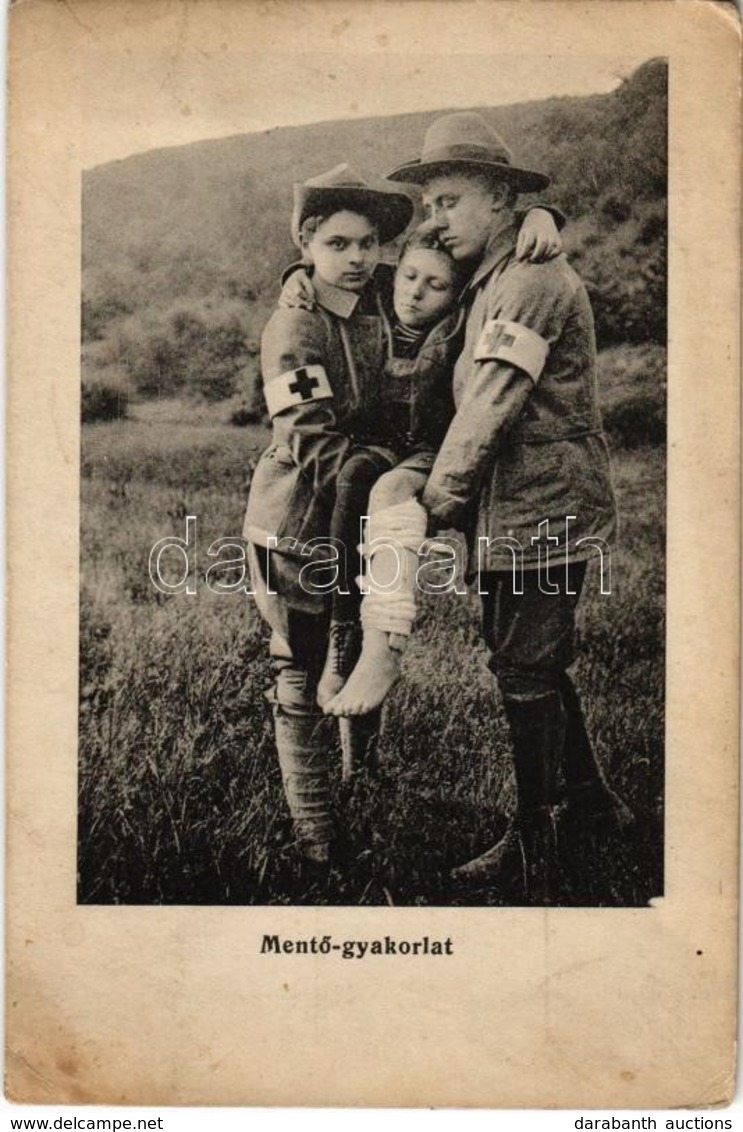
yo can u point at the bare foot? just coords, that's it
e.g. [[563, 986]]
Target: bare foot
[[377, 670], [344, 646]]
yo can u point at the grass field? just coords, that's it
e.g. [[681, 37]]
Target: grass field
[[179, 791]]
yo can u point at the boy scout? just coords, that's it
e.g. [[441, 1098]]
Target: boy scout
[[321, 371], [524, 468]]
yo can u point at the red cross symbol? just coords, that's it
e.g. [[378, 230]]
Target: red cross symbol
[[304, 384]]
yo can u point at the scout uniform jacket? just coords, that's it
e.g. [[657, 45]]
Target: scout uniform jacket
[[323, 373], [526, 444]]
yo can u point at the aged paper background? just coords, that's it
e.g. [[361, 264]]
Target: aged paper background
[[593, 1008]]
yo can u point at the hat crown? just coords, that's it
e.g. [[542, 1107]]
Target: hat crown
[[465, 130], [342, 176], [343, 188], [464, 141]]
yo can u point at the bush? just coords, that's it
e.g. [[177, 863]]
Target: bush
[[105, 395], [242, 415], [249, 406], [199, 348], [632, 383], [624, 269], [614, 206], [639, 420]]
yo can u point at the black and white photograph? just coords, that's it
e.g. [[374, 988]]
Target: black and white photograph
[[425, 664], [373, 555]]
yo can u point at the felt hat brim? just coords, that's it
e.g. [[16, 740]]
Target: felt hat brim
[[419, 171]]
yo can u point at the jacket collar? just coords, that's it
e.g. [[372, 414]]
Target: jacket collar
[[335, 299], [498, 248]]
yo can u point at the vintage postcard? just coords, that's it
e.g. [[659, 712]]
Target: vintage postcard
[[373, 552]]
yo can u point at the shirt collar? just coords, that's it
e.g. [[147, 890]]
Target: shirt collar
[[498, 248], [335, 299]]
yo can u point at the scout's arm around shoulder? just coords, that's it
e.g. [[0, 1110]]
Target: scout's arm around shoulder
[[539, 236], [297, 290], [507, 363]]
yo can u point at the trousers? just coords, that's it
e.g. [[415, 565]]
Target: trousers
[[531, 635], [299, 641]]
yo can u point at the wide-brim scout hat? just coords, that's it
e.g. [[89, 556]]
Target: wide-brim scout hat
[[389, 209], [458, 142]]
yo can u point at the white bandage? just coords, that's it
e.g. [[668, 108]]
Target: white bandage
[[514, 344], [296, 387], [396, 533]]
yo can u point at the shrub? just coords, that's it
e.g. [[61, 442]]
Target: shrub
[[639, 420], [95, 316], [105, 395], [243, 415], [632, 383], [143, 347], [249, 406], [624, 271], [199, 348]]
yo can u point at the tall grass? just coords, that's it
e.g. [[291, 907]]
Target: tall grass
[[180, 799]]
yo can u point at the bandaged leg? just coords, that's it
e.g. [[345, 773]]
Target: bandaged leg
[[393, 539], [301, 734], [303, 760]]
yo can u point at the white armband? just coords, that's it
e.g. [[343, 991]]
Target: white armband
[[514, 344], [296, 387]]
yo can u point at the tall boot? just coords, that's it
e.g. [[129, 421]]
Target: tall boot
[[303, 760], [590, 801], [527, 852], [538, 732]]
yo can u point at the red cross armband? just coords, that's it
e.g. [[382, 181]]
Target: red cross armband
[[296, 387], [514, 344]]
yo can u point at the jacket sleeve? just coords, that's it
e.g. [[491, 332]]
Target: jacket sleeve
[[525, 317], [557, 214], [294, 354], [496, 395]]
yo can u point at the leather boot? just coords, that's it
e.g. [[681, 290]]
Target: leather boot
[[501, 866], [539, 852], [344, 649], [538, 734], [524, 858], [591, 804], [526, 854], [595, 808], [303, 760]]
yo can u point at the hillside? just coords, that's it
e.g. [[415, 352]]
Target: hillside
[[182, 247]]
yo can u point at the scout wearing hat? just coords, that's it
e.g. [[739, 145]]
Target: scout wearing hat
[[321, 371], [524, 467], [466, 142], [342, 189]]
